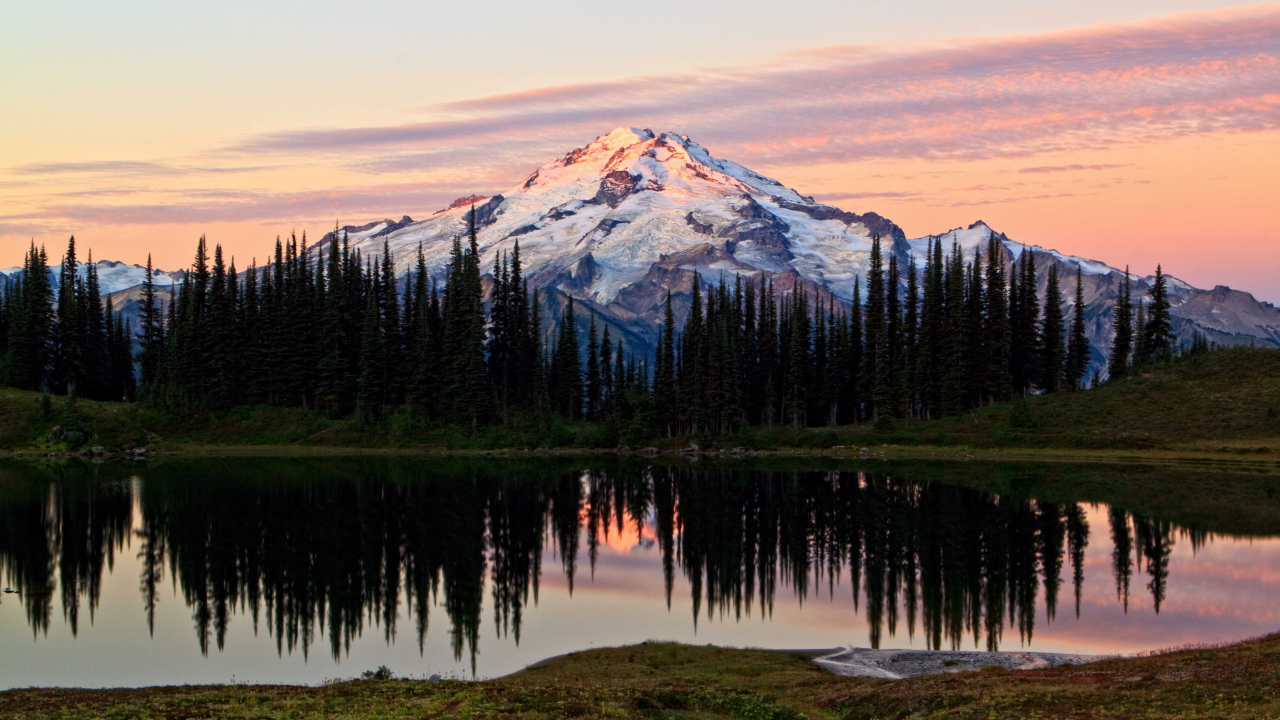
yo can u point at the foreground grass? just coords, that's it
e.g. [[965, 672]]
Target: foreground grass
[[1226, 401], [1223, 402], [661, 680]]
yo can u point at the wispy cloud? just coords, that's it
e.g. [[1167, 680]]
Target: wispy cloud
[[1019, 96], [1068, 168], [835, 196], [236, 206], [119, 168], [1008, 97]]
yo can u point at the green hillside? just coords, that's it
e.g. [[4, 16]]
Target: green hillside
[[1228, 399], [1222, 401]]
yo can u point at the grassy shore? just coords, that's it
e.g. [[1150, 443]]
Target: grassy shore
[[1222, 404], [662, 680]]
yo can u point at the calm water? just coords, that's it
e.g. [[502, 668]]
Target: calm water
[[269, 570]]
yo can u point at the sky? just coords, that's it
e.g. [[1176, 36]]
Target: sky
[[1135, 132]]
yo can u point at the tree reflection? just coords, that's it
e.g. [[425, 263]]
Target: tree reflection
[[321, 551]]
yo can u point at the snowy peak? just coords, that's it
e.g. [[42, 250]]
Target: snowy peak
[[659, 162]]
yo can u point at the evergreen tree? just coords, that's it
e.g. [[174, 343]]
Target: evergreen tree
[[910, 361], [594, 391], [68, 359], [568, 390], [152, 327], [664, 376], [1078, 343], [370, 391], [873, 332], [955, 337], [1052, 353], [999, 385], [1158, 338], [1122, 322], [1140, 354]]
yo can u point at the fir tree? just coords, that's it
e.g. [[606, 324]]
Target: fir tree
[[1158, 338], [594, 391], [1122, 322], [1052, 353], [1078, 343]]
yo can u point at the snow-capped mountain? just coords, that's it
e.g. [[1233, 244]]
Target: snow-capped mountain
[[617, 223], [114, 276]]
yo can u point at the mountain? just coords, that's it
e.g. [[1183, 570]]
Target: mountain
[[112, 276], [619, 222]]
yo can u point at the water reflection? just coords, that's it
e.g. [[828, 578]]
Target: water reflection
[[321, 551]]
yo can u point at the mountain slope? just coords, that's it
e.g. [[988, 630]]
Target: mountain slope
[[620, 221]]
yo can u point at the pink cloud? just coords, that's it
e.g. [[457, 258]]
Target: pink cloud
[[1014, 96]]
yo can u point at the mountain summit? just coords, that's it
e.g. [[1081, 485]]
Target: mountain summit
[[620, 221]]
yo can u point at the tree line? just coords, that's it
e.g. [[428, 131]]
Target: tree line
[[64, 339], [339, 333], [321, 550]]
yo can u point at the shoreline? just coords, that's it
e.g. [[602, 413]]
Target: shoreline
[[1221, 458]]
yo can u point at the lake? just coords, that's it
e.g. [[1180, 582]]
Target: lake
[[271, 570]]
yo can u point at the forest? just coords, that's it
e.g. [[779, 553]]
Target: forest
[[340, 334]]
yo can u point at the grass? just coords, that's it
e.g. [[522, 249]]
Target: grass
[[664, 680], [1226, 402]]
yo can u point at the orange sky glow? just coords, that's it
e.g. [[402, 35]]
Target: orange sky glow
[[1139, 142]]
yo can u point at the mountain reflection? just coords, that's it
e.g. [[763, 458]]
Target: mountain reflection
[[317, 551]]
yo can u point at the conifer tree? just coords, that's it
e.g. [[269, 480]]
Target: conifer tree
[[594, 391], [999, 385], [606, 374], [1052, 354], [152, 328], [369, 391], [1140, 355], [955, 336], [664, 377], [568, 390], [1122, 322], [873, 331], [69, 361], [910, 363], [1158, 339], [31, 324], [855, 401], [1078, 343]]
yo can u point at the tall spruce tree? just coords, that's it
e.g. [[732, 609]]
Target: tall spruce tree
[[1122, 323], [873, 331], [1052, 353], [1158, 338], [1078, 343]]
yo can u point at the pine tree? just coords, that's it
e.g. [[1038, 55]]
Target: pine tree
[[1078, 343], [1052, 354], [69, 361], [594, 392], [955, 336], [910, 363], [664, 377], [999, 385], [152, 327], [370, 390], [873, 332], [1140, 353], [1158, 338], [568, 366], [1122, 322]]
